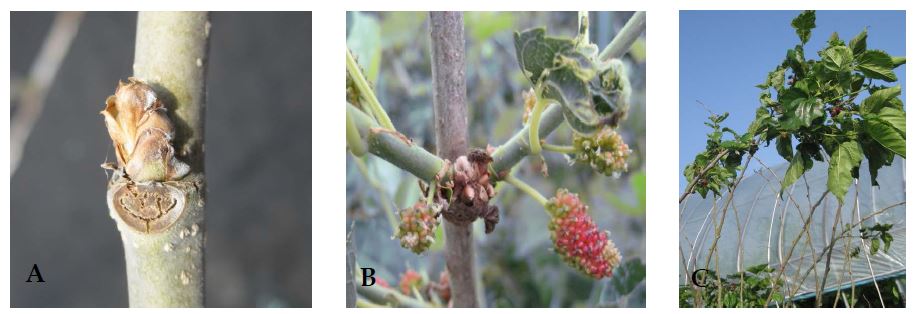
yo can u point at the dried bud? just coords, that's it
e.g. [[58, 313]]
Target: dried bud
[[473, 190], [577, 239], [142, 133], [417, 226], [491, 218], [605, 151], [471, 177], [442, 288]]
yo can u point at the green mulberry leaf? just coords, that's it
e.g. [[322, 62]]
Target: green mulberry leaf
[[846, 157], [876, 64], [799, 164], [803, 23]]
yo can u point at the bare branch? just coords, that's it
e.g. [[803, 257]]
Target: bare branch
[[449, 98]]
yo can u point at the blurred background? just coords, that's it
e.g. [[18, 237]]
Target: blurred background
[[516, 263], [258, 159]]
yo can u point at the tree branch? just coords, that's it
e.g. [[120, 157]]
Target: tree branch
[[450, 111], [509, 154], [426, 166], [624, 39], [381, 295], [166, 269], [395, 147]]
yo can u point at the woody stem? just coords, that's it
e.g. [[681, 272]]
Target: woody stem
[[165, 268]]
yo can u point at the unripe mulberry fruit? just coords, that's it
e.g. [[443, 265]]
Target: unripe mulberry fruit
[[576, 237], [417, 226], [605, 151]]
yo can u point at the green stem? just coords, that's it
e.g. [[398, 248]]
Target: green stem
[[356, 146], [624, 39], [534, 131], [387, 296], [363, 85], [529, 190], [383, 194], [363, 303], [560, 148], [430, 195], [855, 93], [583, 28], [396, 148]]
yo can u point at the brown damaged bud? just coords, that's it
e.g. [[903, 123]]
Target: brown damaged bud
[[491, 218], [441, 288], [473, 190], [142, 133], [471, 177]]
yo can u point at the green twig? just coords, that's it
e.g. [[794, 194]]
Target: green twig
[[430, 194], [381, 295], [583, 28], [560, 148], [383, 194], [356, 146], [534, 131], [363, 85], [624, 39], [527, 189], [363, 303], [396, 148]]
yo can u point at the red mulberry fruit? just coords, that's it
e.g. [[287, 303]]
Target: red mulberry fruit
[[577, 239]]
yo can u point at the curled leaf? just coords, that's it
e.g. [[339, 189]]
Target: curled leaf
[[592, 92]]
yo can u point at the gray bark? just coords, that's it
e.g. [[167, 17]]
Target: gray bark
[[450, 114], [166, 269]]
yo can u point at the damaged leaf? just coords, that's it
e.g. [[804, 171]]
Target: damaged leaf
[[592, 92]]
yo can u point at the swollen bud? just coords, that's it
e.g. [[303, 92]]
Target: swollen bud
[[142, 133]]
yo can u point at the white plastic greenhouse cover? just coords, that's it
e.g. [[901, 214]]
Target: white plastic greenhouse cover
[[767, 226]]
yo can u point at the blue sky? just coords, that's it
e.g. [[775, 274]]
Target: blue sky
[[724, 54]]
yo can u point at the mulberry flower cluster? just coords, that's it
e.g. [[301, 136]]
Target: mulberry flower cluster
[[604, 150], [577, 239], [417, 226]]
